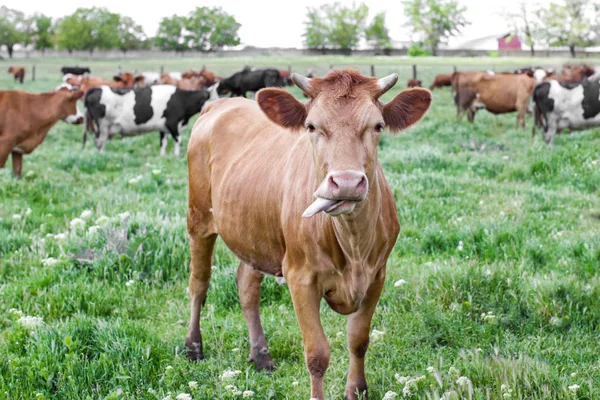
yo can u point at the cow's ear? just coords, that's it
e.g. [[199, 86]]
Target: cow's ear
[[139, 78], [117, 78], [406, 109], [281, 107]]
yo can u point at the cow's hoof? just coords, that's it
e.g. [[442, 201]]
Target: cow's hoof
[[194, 351], [356, 392]]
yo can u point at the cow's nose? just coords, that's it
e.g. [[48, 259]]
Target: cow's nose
[[347, 184]]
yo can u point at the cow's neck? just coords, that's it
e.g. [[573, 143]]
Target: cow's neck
[[46, 111], [355, 233]]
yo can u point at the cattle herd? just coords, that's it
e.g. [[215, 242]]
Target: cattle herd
[[314, 209]]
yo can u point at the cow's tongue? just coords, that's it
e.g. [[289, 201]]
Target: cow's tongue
[[319, 205]]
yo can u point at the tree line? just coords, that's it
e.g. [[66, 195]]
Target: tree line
[[571, 23], [89, 29]]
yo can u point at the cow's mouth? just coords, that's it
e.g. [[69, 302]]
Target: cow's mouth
[[333, 208]]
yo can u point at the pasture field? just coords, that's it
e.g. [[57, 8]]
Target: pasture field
[[492, 291]]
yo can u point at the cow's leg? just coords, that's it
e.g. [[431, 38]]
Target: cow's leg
[[550, 131], [201, 250], [177, 139], [102, 137], [17, 162], [306, 299], [163, 143], [248, 282], [358, 329]]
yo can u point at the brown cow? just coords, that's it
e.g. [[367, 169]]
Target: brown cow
[[193, 83], [441, 80], [575, 73], [412, 83], [18, 73], [502, 93], [462, 87], [252, 179], [127, 79], [166, 79], [26, 118]]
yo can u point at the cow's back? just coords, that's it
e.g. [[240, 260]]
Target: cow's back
[[503, 93]]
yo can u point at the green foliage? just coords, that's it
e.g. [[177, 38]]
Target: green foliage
[[204, 29], [170, 35], [131, 35], [417, 50], [435, 20], [43, 35], [336, 26], [88, 29], [574, 23], [523, 23], [377, 33], [14, 29]]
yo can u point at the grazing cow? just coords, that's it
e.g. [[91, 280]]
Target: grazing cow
[[75, 70], [249, 80], [130, 112], [441, 80], [127, 79], [210, 78], [501, 93], [26, 118], [286, 77], [462, 86], [18, 73], [575, 73], [563, 105], [312, 207], [413, 83], [167, 79], [85, 83], [148, 79]]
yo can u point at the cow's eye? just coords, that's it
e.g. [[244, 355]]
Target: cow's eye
[[311, 128], [379, 127]]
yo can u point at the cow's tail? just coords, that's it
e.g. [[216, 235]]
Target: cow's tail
[[538, 117], [89, 125]]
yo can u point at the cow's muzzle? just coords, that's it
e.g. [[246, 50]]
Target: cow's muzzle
[[339, 193]]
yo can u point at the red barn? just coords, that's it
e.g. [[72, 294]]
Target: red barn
[[509, 42]]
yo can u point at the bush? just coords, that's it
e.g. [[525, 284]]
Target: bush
[[418, 51]]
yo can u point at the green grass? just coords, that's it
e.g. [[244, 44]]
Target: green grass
[[500, 252]]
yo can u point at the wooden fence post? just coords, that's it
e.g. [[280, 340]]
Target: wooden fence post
[[33, 73], [372, 70], [454, 68], [162, 69], [414, 71], [290, 69]]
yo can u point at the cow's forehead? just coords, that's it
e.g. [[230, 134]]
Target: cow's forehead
[[344, 111]]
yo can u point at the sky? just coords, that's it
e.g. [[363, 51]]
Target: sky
[[276, 23]]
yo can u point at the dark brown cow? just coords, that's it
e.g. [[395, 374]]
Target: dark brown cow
[[462, 87], [575, 73], [441, 80], [312, 206], [166, 79], [412, 83], [85, 83], [26, 118], [193, 83], [127, 79], [18, 73]]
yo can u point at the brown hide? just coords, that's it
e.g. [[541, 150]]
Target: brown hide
[[250, 179], [26, 118], [441, 80], [413, 83], [18, 73]]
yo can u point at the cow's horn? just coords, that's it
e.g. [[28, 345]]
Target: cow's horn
[[386, 83], [302, 82]]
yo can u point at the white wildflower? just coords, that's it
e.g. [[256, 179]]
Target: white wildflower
[[401, 379], [193, 385], [15, 313], [574, 388], [389, 395], [488, 272], [156, 172], [92, 230], [236, 392], [506, 157], [460, 246], [376, 335], [556, 321], [453, 371], [168, 368], [480, 202], [86, 214], [507, 395], [77, 223], [124, 215], [129, 282], [431, 370], [573, 374], [184, 396], [50, 262], [406, 392], [150, 390], [167, 397], [28, 321], [463, 381], [449, 395], [230, 388], [295, 383], [235, 350], [229, 374], [60, 236], [49, 236], [102, 220], [28, 211], [248, 393], [16, 217], [134, 181], [400, 282]]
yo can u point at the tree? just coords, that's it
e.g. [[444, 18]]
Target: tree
[[377, 33], [435, 20], [131, 35], [170, 35], [334, 25], [210, 29], [573, 23], [523, 24], [88, 29], [13, 28], [43, 33]]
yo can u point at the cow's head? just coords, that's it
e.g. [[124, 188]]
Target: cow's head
[[67, 101], [127, 79], [344, 120]]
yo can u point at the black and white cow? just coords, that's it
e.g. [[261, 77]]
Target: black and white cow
[[567, 105], [75, 70], [134, 111], [249, 80]]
